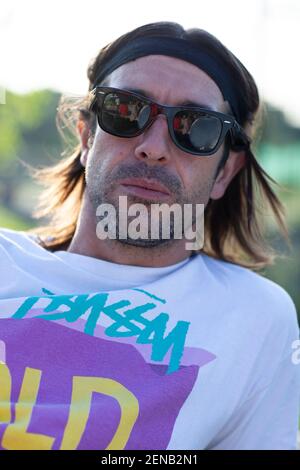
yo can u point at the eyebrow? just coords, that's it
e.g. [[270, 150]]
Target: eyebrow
[[183, 103]]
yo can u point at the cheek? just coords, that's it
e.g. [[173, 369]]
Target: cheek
[[198, 174], [107, 151], [198, 171]]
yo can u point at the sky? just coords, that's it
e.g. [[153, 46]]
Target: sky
[[48, 44]]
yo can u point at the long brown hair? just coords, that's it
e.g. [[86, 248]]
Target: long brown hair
[[234, 224]]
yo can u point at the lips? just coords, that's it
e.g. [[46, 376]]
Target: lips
[[147, 184]]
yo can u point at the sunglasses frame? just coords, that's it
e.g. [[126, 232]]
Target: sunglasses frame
[[238, 138]]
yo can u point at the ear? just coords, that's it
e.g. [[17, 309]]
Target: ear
[[84, 134], [233, 165]]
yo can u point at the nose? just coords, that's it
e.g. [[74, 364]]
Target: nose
[[155, 142]]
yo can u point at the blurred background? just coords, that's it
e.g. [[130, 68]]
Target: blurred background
[[45, 50]]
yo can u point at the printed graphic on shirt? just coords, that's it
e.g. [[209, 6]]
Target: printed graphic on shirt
[[115, 378]]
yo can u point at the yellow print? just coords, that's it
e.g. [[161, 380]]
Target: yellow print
[[16, 435]]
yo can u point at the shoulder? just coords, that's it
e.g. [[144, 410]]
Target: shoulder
[[14, 240], [14, 236], [261, 299]]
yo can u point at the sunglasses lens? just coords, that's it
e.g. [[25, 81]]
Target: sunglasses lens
[[197, 132], [124, 115]]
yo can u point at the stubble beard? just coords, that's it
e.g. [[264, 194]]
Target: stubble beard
[[101, 187]]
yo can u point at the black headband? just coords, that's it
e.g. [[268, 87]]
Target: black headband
[[181, 49]]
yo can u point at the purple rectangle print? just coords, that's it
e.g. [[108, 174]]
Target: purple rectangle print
[[89, 392]]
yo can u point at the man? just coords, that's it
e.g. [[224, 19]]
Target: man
[[137, 342]]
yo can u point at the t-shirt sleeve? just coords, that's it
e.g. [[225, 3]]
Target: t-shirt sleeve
[[268, 417]]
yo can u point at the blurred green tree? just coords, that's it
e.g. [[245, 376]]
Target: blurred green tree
[[28, 133]]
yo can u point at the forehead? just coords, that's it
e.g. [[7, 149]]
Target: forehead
[[169, 80]]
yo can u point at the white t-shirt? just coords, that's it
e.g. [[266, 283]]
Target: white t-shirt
[[97, 355]]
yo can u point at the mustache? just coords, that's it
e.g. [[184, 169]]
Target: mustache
[[142, 170]]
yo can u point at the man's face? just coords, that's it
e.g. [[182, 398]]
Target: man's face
[[153, 155]]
